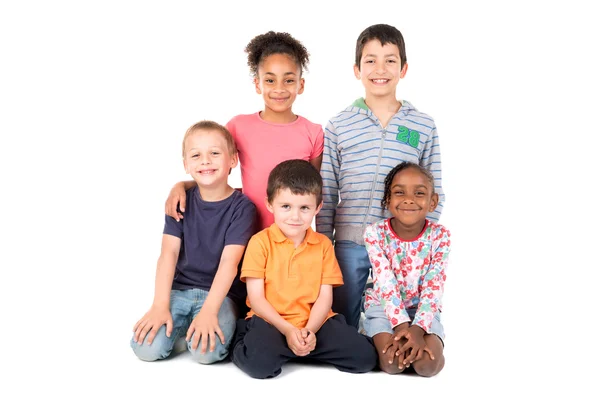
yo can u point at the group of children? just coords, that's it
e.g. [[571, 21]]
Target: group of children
[[245, 275]]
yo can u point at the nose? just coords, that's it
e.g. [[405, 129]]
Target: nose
[[280, 86], [408, 199], [204, 159], [295, 214], [380, 67]]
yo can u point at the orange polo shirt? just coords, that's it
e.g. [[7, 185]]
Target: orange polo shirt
[[293, 276]]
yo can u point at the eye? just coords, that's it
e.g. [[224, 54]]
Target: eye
[[269, 80], [420, 193], [285, 206], [305, 208], [214, 153], [290, 81], [369, 61], [194, 156], [392, 61], [398, 193]]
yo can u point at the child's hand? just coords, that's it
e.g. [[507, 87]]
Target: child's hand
[[415, 342], [296, 342], [205, 328], [176, 196], [309, 338], [150, 323], [391, 348]]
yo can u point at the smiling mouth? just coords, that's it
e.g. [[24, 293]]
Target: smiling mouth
[[207, 172], [380, 81]]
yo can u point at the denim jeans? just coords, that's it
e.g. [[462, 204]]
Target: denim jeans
[[355, 265], [185, 305]]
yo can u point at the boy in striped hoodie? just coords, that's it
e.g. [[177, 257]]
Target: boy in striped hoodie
[[362, 144]]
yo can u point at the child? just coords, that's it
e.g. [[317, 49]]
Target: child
[[289, 271], [408, 254], [362, 144], [276, 134], [197, 287]]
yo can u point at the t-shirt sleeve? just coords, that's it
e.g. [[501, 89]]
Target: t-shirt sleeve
[[332, 274], [243, 223], [172, 227], [255, 260], [318, 141]]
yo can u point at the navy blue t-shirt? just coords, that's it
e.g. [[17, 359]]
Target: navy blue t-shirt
[[206, 228]]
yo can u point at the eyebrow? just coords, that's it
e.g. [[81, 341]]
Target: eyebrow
[[287, 73], [418, 186], [386, 55]]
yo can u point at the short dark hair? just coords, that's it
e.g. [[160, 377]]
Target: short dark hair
[[385, 34], [207, 125], [262, 46], [299, 176], [390, 177]]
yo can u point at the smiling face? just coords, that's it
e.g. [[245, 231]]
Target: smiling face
[[380, 69], [279, 81], [411, 197], [207, 158], [293, 213]]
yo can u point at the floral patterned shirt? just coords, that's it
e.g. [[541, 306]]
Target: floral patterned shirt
[[407, 274]]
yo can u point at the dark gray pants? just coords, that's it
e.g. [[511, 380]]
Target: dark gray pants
[[260, 350]]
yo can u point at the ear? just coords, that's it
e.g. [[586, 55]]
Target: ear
[[356, 71], [234, 160], [434, 202], [301, 86], [403, 70], [233, 163], [269, 206], [319, 207], [185, 166], [257, 85]]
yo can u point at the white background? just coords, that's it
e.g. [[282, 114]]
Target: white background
[[95, 98]]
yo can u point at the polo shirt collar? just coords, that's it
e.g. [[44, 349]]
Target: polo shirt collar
[[311, 236]]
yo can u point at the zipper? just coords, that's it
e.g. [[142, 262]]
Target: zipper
[[383, 133]]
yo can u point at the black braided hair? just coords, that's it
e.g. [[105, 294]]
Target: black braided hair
[[390, 177]]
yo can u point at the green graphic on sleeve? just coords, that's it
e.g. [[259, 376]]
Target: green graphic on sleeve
[[408, 136]]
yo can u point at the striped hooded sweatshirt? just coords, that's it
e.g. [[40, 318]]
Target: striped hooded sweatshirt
[[357, 156]]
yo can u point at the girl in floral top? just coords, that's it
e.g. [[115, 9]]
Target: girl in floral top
[[408, 255]]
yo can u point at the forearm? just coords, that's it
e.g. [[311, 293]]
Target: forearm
[[188, 184], [318, 314], [165, 270], [219, 289], [265, 310]]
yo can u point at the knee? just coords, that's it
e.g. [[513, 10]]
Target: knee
[[427, 367], [158, 350], [365, 359], [255, 366], [209, 357]]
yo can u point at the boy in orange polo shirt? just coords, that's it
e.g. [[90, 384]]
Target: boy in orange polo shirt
[[290, 271]]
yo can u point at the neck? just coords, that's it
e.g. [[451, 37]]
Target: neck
[[407, 232], [278, 117], [215, 194], [384, 105], [298, 241]]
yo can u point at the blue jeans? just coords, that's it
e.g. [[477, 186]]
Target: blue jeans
[[185, 305], [355, 265]]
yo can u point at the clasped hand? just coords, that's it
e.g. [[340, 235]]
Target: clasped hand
[[301, 341], [408, 344]]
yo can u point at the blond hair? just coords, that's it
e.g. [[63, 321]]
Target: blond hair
[[207, 125]]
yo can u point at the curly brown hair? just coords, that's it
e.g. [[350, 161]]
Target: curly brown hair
[[262, 46]]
